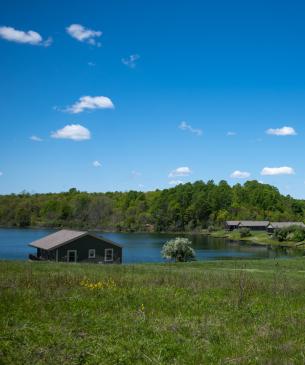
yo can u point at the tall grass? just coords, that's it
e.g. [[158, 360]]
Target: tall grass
[[224, 312]]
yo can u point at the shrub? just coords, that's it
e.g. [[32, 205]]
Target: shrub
[[178, 249], [244, 232], [292, 233], [211, 228]]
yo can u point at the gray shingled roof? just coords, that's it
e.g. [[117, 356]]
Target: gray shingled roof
[[232, 223], [254, 223], [279, 225], [57, 239], [63, 237]]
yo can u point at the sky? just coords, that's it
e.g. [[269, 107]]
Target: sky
[[139, 95]]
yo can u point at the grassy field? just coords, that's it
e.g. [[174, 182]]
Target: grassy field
[[224, 312], [257, 237]]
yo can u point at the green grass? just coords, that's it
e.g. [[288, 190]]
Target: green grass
[[257, 237], [223, 312]]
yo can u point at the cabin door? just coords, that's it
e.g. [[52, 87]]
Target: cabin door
[[71, 255]]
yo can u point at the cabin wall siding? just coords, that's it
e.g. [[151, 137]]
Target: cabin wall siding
[[82, 245]]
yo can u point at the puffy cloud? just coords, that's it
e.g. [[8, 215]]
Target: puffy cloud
[[36, 139], [19, 36], [187, 127], [90, 103], [175, 182], [76, 132], [180, 171], [284, 131], [131, 60], [83, 34], [96, 163], [240, 174], [285, 170]]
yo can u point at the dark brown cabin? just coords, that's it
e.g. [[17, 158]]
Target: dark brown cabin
[[77, 246]]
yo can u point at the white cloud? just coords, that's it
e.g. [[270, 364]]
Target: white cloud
[[96, 163], [285, 170], [186, 127], [180, 171], [76, 132], [284, 131], [90, 103], [19, 36], [1, 173], [175, 182], [83, 34], [240, 174], [131, 60], [135, 173], [230, 134], [36, 139]]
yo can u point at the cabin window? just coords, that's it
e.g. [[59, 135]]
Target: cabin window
[[109, 254], [91, 253]]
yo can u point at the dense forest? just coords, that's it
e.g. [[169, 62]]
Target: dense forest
[[187, 207]]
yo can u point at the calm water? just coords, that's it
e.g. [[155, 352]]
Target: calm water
[[140, 247]]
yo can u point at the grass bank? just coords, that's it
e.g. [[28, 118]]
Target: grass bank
[[224, 312], [257, 237]]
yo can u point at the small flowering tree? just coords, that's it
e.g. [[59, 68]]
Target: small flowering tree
[[178, 249]]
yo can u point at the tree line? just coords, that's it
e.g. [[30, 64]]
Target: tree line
[[186, 207]]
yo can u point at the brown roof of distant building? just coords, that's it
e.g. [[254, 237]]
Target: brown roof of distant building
[[248, 223], [232, 223], [279, 225], [254, 223], [63, 237]]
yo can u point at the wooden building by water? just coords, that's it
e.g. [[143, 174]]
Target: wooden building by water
[[77, 246]]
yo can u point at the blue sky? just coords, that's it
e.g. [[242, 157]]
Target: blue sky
[[192, 90]]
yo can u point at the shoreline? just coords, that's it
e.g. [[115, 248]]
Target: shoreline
[[258, 238]]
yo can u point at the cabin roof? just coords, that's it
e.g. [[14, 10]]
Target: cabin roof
[[232, 223], [64, 237], [254, 223], [285, 224], [248, 223]]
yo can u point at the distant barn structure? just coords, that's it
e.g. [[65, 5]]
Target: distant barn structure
[[279, 225], [254, 225], [231, 225], [260, 225], [77, 246]]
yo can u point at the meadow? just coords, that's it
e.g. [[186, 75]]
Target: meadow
[[221, 312]]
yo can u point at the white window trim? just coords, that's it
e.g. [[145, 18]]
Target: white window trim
[[94, 254], [107, 250], [75, 251]]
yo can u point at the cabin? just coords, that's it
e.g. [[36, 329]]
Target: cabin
[[252, 225], [77, 246], [231, 225], [279, 225]]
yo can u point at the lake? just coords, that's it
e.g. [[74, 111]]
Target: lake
[[141, 247]]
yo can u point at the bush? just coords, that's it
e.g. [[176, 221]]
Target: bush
[[178, 249], [292, 233], [211, 229], [244, 232]]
